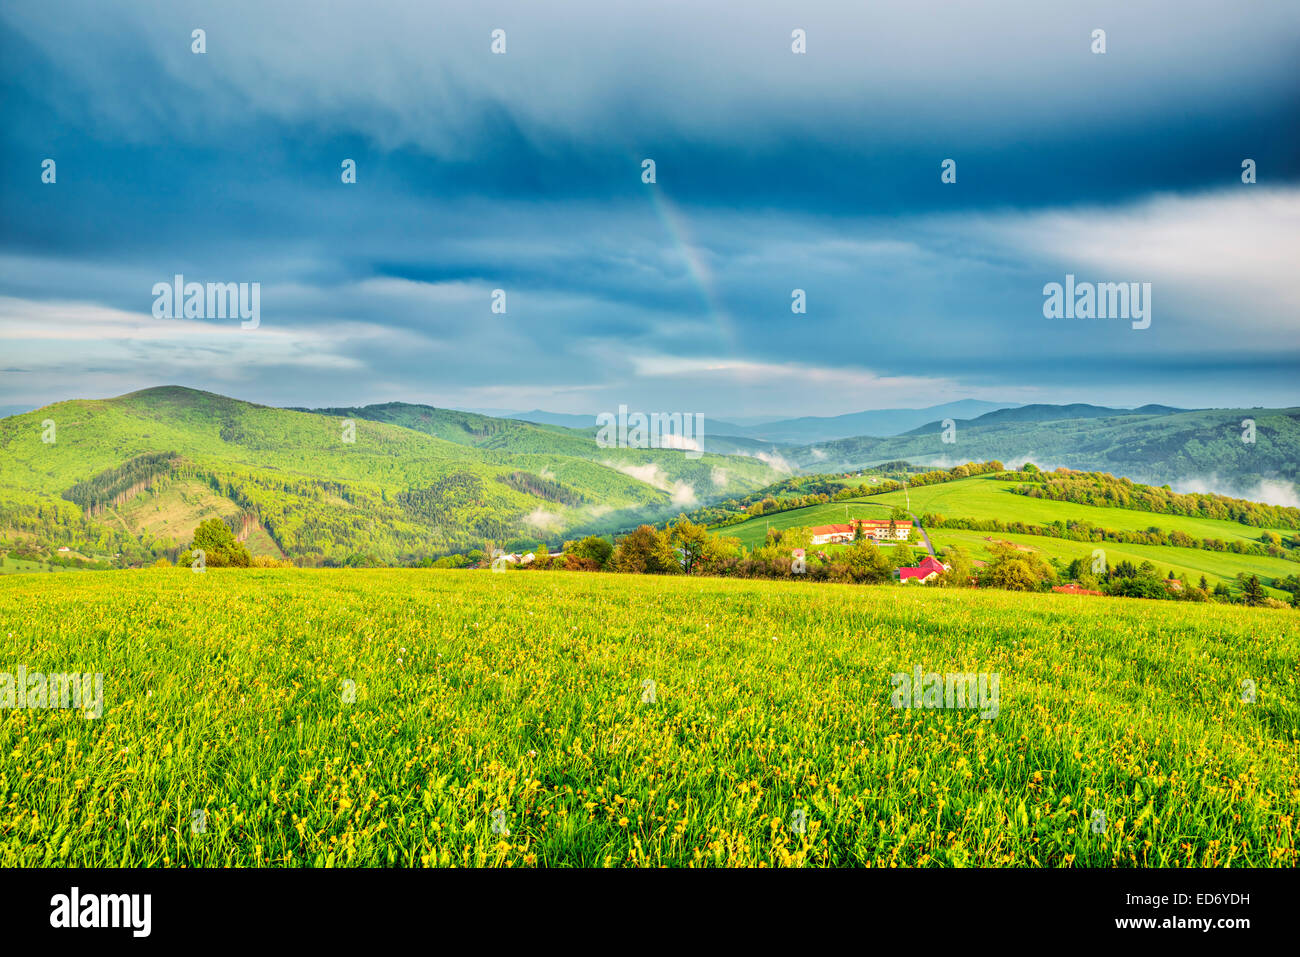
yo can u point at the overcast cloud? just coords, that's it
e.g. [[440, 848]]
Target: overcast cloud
[[775, 171]]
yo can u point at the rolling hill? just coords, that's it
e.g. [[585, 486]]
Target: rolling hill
[[985, 498], [128, 475], [1201, 449]]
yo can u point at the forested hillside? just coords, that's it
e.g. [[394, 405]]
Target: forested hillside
[[119, 478], [1212, 448]]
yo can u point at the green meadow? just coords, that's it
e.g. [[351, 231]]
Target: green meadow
[[1189, 562], [436, 718], [986, 498]]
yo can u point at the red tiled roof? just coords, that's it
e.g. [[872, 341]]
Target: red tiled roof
[[1073, 589], [905, 573], [927, 567], [832, 529]]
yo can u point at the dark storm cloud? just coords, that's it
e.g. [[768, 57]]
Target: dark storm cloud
[[775, 172]]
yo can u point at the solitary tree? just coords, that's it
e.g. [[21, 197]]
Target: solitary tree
[[690, 541], [220, 549], [1254, 592]]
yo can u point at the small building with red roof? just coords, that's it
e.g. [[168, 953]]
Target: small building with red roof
[[929, 569], [1074, 589]]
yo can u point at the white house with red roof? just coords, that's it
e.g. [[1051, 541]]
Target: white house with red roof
[[872, 528]]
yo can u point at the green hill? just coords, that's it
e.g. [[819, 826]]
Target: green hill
[[1150, 444], [985, 497], [127, 475]]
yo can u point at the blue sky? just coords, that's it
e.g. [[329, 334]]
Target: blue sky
[[775, 171]]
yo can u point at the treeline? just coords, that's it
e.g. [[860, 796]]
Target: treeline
[[969, 470], [549, 489], [685, 548], [1080, 531], [1126, 580], [28, 553], [1108, 491], [117, 485]]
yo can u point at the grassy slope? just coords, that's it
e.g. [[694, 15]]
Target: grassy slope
[[753, 532], [984, 497], [13, 566], [1192, 562], [175, 511], [522, 692]]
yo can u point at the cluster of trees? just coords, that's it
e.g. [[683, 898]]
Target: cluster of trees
[[687, 548], [221, 549], [1144, 581], [1104, 489], [117, 485], [959, 472], [219, 546], [1270, 543], [549, 489], [42, 527]]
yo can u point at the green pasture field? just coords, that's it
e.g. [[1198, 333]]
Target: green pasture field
[[1191, 562], [418, 718], [986, 497]]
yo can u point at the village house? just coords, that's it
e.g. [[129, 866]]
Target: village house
[[929, 569], [873, 528], [1072, 588]]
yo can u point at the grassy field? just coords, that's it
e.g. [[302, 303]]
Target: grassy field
[[14, 566], [1192, 562], [506, 719], [983, 497]]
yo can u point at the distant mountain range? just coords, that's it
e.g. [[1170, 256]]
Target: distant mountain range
[[1192, 450], [879, 422], [1045, 413]]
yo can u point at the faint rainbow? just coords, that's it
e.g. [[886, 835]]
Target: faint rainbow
[[674, 223]]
